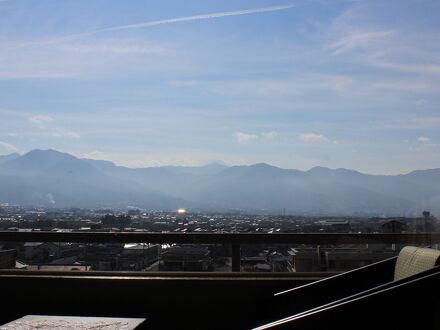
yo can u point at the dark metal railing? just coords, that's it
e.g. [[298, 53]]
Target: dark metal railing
[[216, 238], [235, 239]]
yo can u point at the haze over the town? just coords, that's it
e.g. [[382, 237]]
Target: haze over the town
[[352, 84]]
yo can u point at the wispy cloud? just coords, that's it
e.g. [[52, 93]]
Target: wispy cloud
[[422, 68], [361, 40], [115, 47], [420, 102], [423, 139], [269, 135], [41, 120], [424, 86], [312, 138], [44, 123], [64, 134], [14, 135], [245, 137], [7, 147], [98, 155], [402, 47], [140, 160], [411, 123], [81, 58], [272, 87]]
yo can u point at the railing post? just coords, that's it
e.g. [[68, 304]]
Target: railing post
[[236, 258]]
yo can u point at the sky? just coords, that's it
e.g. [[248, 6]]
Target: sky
[[296, 84]]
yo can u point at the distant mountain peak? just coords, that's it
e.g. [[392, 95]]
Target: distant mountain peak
[[44, 161], [321, 169], [47, 152], [327, 171], [254, 169], [262, 165], [37, 151]]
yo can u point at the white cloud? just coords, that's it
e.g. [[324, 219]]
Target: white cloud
[[43, 123], [283, 87], [65, 134], [269, 135], [423, 139], [98, 155], [312, 138], [411, 123], [416, 149], [158, 161], [410, 67], [8, 147], [424, 147], [244, 137], [15, 135], [384, 44], [337, 83], [138, 159], [72, 135], [359, 40], [79, 58], [183, 83], [115, 47], [417, 87], [41, 120]]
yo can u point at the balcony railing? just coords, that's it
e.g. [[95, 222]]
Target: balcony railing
[[172, 300], [234, 239]]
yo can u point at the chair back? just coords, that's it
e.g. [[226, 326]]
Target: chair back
[[413, 260]]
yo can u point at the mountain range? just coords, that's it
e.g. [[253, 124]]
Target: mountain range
[[52, 178]]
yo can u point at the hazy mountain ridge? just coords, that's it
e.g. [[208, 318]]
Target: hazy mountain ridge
[[52, 178], [5, 158]]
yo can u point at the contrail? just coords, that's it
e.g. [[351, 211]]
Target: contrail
[[158, 22], [193, 18]]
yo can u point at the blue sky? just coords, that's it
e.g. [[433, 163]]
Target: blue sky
[[296, 84]]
